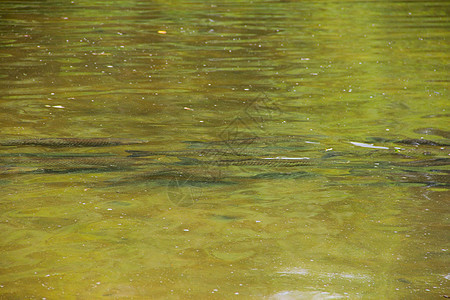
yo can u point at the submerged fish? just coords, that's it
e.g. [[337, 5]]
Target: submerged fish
[[195, 152], [430, 179], [197, 174], [271, 162], [178, 176], [16, 170], [71, 142], [441, 161], [57, 154], [70, 164], [259, 140], [433, 131], [417, 142]]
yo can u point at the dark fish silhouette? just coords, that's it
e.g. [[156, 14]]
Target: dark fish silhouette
[[271, 162], [70, 142], [258, 140], [433, 131], [441, 161], [16, 170], [414, 142], [430, 179], [178, 176], [417, 142], [57, 154], [196, 152], [197, 174], [70, 164]]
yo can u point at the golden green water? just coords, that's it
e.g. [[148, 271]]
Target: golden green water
[[337, 84]]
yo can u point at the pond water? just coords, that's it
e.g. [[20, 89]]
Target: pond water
[[284, 149]]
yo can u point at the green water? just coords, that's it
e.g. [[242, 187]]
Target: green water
[[365, 218]]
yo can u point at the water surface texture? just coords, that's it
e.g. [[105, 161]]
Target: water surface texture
[[216, 150]]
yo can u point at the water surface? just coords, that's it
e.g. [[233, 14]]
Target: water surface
[[334, 96]]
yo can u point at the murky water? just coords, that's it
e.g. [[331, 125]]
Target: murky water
[[287, 150]]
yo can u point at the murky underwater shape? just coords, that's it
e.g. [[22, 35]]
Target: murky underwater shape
[[196, 150]]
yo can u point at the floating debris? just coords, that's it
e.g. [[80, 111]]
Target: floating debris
[[364, 145]]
